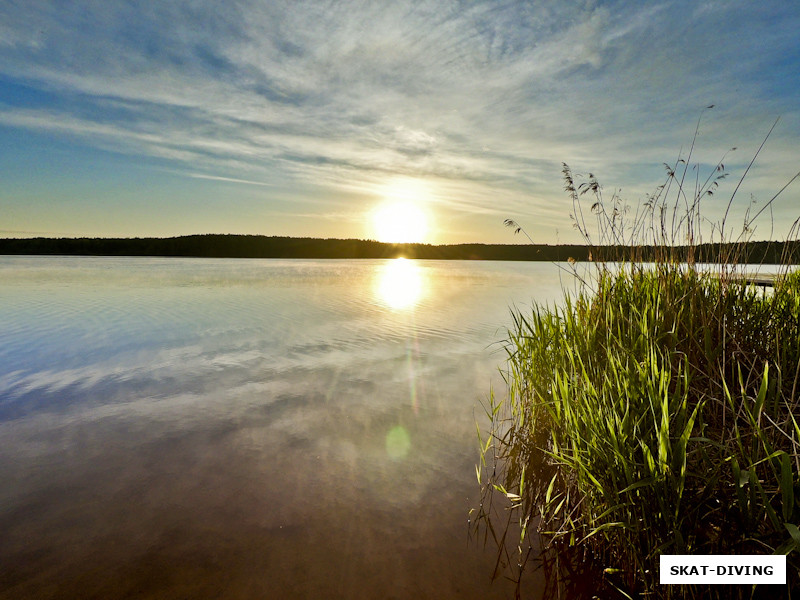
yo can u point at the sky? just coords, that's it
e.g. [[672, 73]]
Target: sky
[[270, 117]]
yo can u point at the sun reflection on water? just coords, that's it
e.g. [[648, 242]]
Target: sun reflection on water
[[400, 284]]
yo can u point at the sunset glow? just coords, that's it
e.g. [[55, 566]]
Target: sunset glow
[[295, 119]]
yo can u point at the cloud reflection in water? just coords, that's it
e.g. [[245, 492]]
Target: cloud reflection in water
[[289, 428]]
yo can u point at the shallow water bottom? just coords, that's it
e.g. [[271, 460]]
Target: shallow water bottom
[[235, 429]]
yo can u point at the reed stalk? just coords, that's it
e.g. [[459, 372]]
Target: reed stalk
[[655, 411]]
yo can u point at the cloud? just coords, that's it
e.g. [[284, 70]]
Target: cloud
[[229, 179], [340, 94]]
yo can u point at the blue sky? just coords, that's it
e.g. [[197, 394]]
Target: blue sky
[[299, 118]]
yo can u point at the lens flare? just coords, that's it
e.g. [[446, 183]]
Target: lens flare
[[398, 442]]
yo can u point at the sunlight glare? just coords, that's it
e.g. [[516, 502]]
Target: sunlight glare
[[400, 284]]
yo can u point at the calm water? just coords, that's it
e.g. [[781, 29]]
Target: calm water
[[188, 428]]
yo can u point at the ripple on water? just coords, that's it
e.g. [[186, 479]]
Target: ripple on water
[[179, 426]]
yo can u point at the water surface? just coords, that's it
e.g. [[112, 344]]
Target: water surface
[[192, 428]]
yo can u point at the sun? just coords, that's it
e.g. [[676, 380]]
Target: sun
[[399, 222], [400, 218]]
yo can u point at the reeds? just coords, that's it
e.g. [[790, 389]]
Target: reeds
[[657, 411]]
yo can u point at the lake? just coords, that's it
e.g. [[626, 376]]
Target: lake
[[219, 428]]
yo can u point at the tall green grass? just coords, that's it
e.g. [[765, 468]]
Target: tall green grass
[[655, 411]]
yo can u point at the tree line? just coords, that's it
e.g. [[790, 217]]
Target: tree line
[[257, 246]]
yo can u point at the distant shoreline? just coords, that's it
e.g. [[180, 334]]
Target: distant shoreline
[[257, 246]]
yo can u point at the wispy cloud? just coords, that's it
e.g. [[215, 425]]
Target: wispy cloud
[[228, 179], [481, 97]]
